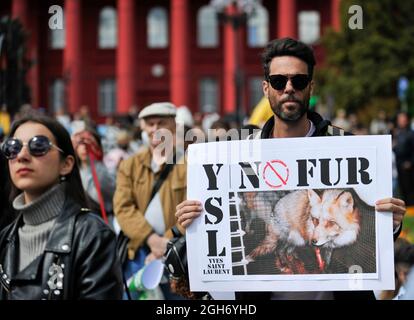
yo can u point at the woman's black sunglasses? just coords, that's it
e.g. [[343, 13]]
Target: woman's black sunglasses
[[38, 146], [299, 81]]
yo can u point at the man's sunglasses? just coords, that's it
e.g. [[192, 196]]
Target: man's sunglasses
[[38, 146], [299, 81]]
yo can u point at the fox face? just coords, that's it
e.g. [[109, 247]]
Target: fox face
[[335, 221], [304, 217]]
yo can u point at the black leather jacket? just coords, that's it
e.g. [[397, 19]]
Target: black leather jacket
[[79, 261]]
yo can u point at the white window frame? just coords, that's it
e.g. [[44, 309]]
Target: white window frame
[[107, 28], [309, 26], [106, 96], [157, 30], [258, 28], [207, 28], [209, 97], [255, 91], [57, 95]]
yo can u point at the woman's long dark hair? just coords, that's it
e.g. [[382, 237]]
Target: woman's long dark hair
[[6, 211], [74, 188]]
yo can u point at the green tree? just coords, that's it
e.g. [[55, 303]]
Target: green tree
[[14, 65], [363, 65]]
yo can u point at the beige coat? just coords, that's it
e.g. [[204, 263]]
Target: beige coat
[[133, 190]]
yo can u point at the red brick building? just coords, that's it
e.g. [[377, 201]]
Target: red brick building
[[112, 54]]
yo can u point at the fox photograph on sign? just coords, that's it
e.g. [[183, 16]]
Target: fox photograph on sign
[[291, 214], [297, 232]]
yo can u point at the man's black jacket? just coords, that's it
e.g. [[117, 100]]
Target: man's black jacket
[[322, 128]]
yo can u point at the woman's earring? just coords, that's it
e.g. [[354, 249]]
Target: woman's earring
[[62, 178]]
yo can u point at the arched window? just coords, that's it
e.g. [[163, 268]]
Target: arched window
[[255, 91], [208, 94], [157, 28], [57, 95], [309, 26], [57, 36], [107, 35], [207, 27], [107, 96], [258, 27]]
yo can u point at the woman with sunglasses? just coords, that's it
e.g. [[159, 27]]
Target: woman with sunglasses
[[55, 249]]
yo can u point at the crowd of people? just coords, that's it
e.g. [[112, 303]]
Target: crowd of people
[[75, 186]]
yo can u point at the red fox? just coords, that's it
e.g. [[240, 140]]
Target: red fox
[[304, 218]]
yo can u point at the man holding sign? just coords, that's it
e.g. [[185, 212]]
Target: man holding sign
[[288, 70]]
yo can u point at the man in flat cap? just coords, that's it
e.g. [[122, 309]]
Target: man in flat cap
[[150, 185]]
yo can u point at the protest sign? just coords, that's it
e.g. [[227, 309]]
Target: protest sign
[[291, 214]]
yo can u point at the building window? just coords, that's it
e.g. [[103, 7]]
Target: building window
[[258, 28], [208, 93], [107, 97], [57, 36], [57, 95], [157, 28], [107, 35], [309, 26], [255, 91], [207, 27]]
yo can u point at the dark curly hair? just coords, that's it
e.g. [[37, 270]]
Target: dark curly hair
[[287, 47]]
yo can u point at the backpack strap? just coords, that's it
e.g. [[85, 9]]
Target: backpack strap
[[335, 131], [163, 175], [255, 136]]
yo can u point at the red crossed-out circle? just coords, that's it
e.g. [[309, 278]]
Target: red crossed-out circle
[[275, 173]]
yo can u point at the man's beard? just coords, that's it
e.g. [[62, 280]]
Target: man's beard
[[277, 108]]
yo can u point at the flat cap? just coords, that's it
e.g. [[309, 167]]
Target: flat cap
[[161, 109]]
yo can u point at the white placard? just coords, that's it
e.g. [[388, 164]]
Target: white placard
[[291, 214]]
